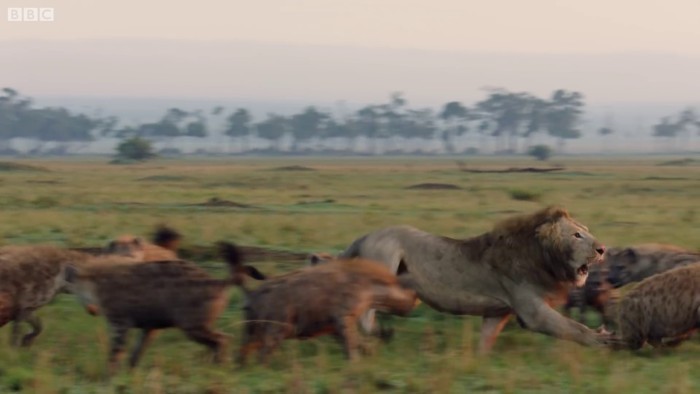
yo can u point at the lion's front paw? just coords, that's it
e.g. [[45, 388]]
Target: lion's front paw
[[610, 340], [603, 331]]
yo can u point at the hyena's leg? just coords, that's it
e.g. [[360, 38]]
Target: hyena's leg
[[273, 335], [367, 321], [7, 310], [16, 338], [248, 342], [490, 328], [117, 346], [346, 328], [211, 339], [147, 336], [37, 327], [16, 333]]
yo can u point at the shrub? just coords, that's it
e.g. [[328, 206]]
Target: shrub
[[136, 149], [540, 152], [524, 195]]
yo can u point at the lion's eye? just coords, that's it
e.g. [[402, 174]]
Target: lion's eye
[[578, 235]]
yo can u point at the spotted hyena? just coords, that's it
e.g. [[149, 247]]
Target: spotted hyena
[[30, 277], [595, 293], [163, 246], [322, 299], [635, 263], [662, 310], [151, 296]]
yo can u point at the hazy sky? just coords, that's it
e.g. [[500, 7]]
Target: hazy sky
[[483, 25], [669, 29]]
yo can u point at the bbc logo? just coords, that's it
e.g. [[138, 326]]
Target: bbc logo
[[30, 14]]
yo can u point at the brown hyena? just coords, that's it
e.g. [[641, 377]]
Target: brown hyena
[[156, 295], [164, 245], [662, 310], [323, 299], [30, 277]]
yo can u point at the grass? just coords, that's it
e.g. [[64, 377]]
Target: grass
[[622, 200]]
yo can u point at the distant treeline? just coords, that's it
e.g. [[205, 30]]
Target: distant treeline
[[503, 118]]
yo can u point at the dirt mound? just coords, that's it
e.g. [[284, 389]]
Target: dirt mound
[[44, 181], [433, 186], [326, 201], [11, 166], [680, 162], [218, 202], [292, 168], [164, 178]]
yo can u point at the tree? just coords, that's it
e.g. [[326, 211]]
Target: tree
[[369, 124], [687, 120], [135, 148], [273, 128], [307, 125], [198, 126], [238, 124], [563, 116], [508, 112], [454, 115], [540, 152], [666, 129]]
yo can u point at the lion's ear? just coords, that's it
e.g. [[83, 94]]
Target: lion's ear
[[553, 213], [138, 241], [547, 233]]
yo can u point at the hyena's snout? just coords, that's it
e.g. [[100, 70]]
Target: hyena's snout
[[401, 301]]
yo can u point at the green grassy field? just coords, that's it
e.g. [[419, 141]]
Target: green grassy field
[[85, 202]]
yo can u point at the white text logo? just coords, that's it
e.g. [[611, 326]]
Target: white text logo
[[30, 14]]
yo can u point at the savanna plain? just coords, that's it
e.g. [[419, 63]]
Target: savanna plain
[[322, 205]]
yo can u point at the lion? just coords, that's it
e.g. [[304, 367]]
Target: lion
[[662, 310], [637, 262], [31, 276], [163, 247], [524, 266]]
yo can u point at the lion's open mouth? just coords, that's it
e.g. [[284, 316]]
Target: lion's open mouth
[[582, 270]]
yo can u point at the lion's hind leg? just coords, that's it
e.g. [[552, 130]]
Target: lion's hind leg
[[491, 327]]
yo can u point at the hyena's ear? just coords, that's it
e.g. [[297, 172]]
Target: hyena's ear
[[630, 255], [254, 273], [71, 274], [318, 258], [314, 259]]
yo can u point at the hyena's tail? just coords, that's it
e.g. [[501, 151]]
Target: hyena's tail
[[238, 271]]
